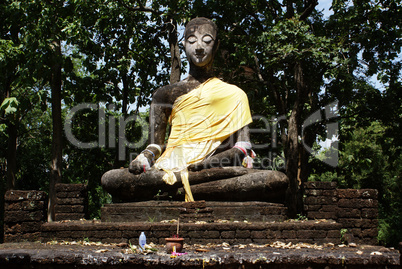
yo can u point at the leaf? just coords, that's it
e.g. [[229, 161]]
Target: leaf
[[2, 127], [10, 105]]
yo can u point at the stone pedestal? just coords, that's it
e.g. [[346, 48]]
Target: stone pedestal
[[156, 211]]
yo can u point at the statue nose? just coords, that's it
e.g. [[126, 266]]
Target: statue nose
[[199, 51]]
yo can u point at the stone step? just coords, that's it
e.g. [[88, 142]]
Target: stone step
[[155, 211], [195, 233]]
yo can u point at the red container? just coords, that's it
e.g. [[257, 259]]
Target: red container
[[174, 244]]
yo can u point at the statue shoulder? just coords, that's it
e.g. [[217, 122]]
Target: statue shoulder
[[169, 93]]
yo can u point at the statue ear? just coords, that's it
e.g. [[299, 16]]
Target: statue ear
[[216, 46]]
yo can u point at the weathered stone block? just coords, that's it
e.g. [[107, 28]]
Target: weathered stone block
[[258, 234], [320, 200], [22, 237], [18, 195], [369, 193], [334, 234], [357, 193], [358, 203], [195, 204], [157, 234], [348, 193], [289, 234], [99, 234], [228, 234], [195, 234], [24, 227], [312, 207], [311, 234], [71, 187], [350, 222], [321, 215], [71, 194], [356, 232], [274, 234], [320, 185], [347, 203], [71, 201], [22, 216], [69, 209], [212, 234], [370, 213], [331, 193], [373, 232], [369, 223], [329, 208], [369, 241], [348, 213], [243, 234], [69, 216], [24, 205], [313, 192]]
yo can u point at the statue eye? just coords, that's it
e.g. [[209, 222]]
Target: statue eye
[[191, 39], [207, 39]]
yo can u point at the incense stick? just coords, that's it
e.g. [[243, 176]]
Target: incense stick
[[178, 222]]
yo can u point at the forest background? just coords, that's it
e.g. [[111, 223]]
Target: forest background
[[290, 59]]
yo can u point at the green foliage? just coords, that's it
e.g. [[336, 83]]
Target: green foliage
[[369, 158], [343, 233], [301, 217]]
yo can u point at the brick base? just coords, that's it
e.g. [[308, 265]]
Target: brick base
[[24, 214], [232, 232], [356, 210]]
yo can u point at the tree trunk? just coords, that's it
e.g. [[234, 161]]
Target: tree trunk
[[124, 108], [292, 161], [174, 52], [57, 147], [12, 143], [294, 198], [11, 155], [309, 137]]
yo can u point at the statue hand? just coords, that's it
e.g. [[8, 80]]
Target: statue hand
[[195, 167], [140, 164]]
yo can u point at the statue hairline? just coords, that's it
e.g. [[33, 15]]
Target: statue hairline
[[201, 21]]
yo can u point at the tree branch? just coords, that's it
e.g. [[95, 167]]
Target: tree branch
[[278, 98], [309, 9]]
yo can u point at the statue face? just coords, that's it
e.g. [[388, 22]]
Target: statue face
[[199, 44]]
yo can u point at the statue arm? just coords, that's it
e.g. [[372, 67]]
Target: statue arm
[[230, 157], [158, 117]]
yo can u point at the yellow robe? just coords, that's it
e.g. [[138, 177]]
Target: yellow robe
[[201, 120]]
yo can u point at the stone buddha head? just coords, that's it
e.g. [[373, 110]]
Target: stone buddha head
[[201, 42]]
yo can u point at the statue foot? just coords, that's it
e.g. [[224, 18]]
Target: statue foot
[[136, 167]]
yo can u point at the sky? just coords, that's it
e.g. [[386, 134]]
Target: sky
[[325, 6]]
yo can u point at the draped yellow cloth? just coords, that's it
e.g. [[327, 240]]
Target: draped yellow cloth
[[200, 121]]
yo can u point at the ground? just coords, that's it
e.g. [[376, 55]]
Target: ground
[[85, 254]]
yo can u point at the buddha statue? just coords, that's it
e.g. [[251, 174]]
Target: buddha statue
[[208, 155]]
